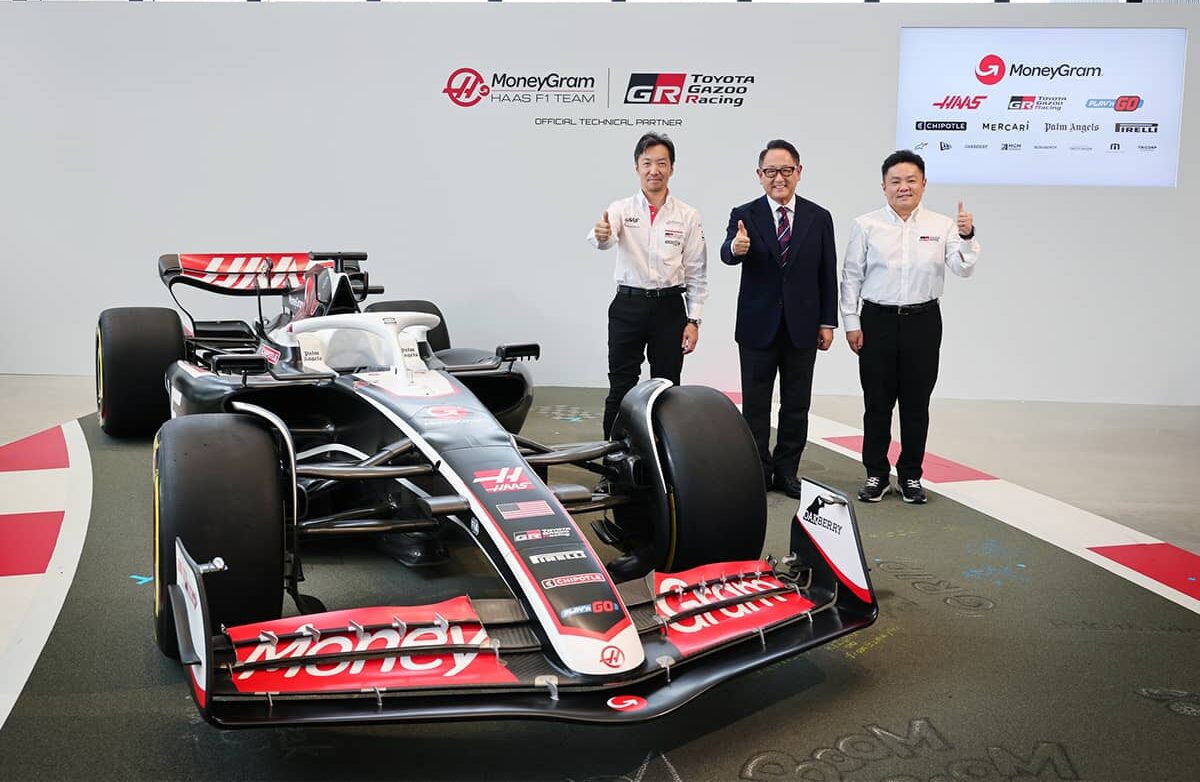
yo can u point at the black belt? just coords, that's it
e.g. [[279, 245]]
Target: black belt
[[654, 293], [902, 309]]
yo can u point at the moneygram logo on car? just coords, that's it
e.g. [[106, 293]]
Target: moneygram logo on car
[[688, 88], [467, 87]]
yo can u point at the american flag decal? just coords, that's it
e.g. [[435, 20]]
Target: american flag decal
[[524, 510]]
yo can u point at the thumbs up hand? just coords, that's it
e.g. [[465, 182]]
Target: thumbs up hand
[[966, 221], [741, 241], [602, 229]]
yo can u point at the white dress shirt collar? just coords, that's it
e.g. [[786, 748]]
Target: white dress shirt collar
[[916, 213], [791, 207]]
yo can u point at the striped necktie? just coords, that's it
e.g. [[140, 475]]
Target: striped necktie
[[784, 234]]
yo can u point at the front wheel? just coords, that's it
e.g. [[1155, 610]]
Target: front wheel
[[710, 505], [218, 487]]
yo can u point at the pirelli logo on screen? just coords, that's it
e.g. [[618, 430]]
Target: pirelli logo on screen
[[673, 89]]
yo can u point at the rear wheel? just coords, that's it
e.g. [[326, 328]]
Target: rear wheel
[[134, 348], [439, 338], [714, 508], [217, 487]]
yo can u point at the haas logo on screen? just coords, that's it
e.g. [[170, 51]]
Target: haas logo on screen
[[465, 87], [990, 70]]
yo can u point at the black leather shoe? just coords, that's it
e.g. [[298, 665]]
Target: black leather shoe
[[790, 486], [768, 481]]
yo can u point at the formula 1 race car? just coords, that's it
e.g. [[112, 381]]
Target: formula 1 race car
[[334, 424]]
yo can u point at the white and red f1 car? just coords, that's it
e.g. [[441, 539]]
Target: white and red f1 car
[[330, 421]]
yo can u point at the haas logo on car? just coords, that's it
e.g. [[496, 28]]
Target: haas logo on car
[[612, 657], [504, 479]]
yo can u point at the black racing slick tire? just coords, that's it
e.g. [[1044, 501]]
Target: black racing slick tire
[[218, 487], [439, 338], [134, 347], [716, 506]]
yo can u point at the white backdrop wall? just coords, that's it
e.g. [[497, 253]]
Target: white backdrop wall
[[131, 130]]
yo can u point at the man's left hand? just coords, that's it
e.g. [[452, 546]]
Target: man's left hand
[[824, 338], [966, 221], [691, 336]]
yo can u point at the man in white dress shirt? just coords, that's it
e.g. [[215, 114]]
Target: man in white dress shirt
[[661, 273], [894, 273]]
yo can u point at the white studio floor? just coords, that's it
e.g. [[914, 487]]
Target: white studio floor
[[1133, 464]]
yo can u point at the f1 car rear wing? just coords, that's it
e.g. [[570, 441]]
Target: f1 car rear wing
[[465, 658], [239, 274]]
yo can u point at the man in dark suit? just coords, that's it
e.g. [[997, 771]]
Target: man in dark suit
[[787, 306]]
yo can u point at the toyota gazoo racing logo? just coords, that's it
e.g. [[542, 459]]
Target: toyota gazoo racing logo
[[687, 88], [990, 70], [467, 87], [1038, 102], [503, 479], [960, 102]]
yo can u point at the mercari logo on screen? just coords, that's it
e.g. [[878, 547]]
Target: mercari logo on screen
[[990, 70]]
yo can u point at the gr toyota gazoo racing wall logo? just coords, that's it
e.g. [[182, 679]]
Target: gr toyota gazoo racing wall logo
[[990, 70], [467, 87], [1037, 102], [672, 89]]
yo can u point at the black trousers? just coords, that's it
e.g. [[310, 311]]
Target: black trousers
[[898, 362], [795, 369], [642, 326]]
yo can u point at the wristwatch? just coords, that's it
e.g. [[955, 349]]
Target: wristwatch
[[694, 321]]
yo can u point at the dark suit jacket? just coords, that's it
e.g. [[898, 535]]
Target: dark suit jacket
[[805, 289]]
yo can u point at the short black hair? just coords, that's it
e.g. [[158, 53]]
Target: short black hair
[[653, 140], [903, 156], [778, 143]]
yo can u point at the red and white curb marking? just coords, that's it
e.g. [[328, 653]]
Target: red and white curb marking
[[45, 503], [1162, 568]]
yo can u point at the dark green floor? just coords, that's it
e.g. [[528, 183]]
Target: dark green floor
[[995, 656]]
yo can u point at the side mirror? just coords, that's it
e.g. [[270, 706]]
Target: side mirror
[[519, 350]]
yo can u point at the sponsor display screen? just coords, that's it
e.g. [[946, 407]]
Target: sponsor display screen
[[1040, 106]]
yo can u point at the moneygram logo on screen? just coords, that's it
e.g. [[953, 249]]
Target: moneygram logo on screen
[[990, 70]]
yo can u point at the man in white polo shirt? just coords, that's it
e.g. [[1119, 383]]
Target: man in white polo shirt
[[661, 273], [895, 270]]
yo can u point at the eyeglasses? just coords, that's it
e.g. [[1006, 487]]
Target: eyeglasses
[[770, 173]]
